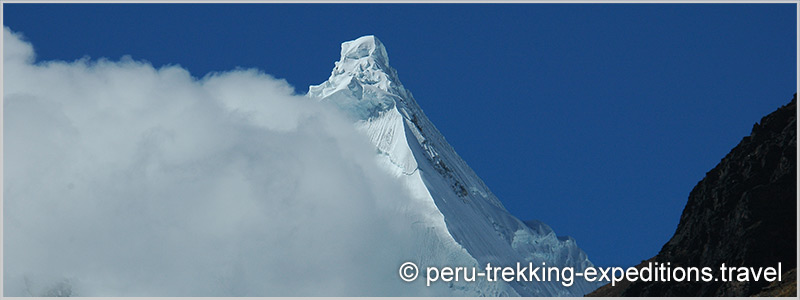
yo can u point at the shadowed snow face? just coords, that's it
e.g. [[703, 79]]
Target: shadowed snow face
[[126, 180]]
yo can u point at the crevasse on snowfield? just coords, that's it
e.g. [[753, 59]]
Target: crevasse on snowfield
[[463, 212]]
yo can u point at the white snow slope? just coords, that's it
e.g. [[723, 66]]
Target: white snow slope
[[464, 214]]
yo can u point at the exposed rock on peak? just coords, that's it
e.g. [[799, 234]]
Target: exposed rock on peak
[[743, 214]]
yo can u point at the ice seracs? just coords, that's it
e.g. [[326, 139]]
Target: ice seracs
[[459, 210], [361, 83], [366, 60]]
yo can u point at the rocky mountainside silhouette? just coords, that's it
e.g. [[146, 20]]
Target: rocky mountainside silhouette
[[743, 214]]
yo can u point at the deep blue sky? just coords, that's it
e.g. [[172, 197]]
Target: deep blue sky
[[596, 119]]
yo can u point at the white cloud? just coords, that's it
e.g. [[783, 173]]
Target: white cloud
[[122, 179]]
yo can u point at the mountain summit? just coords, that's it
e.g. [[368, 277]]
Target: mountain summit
[[460, 211], [365, 46], [362, 83]]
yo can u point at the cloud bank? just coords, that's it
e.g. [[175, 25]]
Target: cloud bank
[[122, 179]]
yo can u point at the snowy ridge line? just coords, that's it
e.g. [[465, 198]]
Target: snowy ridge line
[[364, 86]]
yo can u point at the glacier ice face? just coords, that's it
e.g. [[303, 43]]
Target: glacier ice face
[[464, 212], [362, 83]]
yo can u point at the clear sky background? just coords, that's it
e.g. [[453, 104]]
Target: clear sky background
[[596, 119]]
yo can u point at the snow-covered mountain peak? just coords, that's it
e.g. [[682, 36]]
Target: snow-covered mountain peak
[[362, 83], [461, 210], [365, 46]]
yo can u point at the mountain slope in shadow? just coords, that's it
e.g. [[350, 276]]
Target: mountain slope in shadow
[[742, 214]]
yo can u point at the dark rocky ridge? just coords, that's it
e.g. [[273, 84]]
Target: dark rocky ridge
[[743, 214]]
